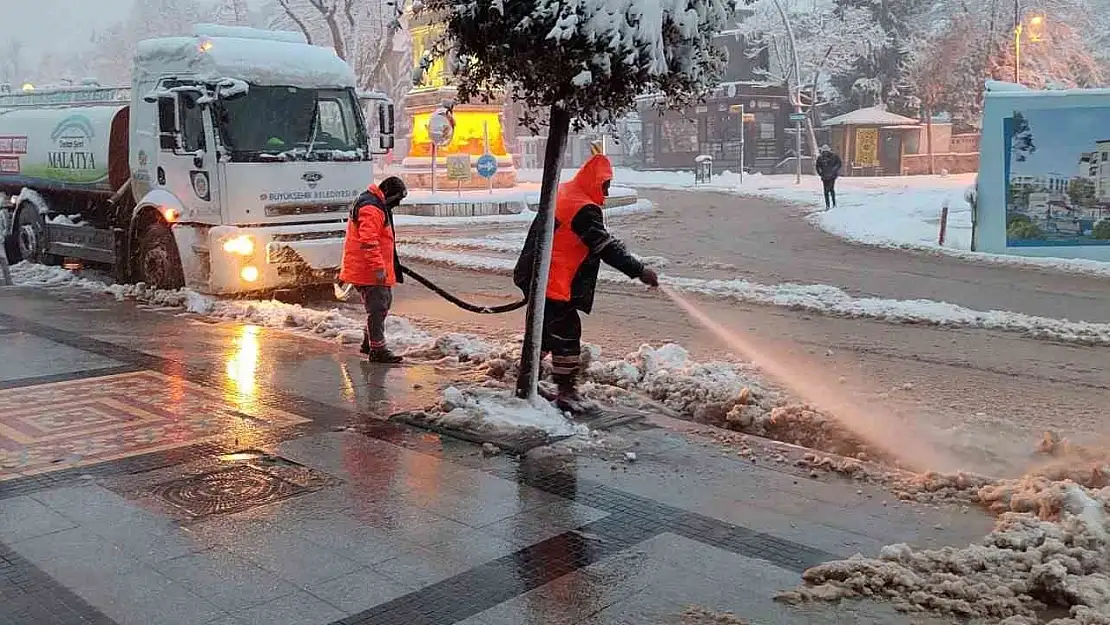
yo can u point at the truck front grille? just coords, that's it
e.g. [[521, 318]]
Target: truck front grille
[[309, 236], [292, 210]]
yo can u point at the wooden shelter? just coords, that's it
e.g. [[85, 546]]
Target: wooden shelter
[[872, 141]]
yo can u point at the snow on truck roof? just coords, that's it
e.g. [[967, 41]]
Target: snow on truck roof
[[257, 57]]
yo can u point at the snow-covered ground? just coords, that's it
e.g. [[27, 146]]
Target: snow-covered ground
[[641, 206], [892, 211]]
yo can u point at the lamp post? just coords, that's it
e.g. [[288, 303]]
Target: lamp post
[[1035, 24]]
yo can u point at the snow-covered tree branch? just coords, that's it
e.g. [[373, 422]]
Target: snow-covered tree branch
[[586, 62]]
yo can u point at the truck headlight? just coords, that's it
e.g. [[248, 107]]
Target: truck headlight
[[249, 273], [242, 245]]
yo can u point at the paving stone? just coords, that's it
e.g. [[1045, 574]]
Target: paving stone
[[292, 558], [143, 534], [299, 608], [77, 557], [419, 567], [146, 597], [23, 517], [538, 524], [224, 579], [24, 355], [345, 534], [358, 591]]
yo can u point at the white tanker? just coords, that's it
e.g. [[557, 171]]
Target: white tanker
[[227, 166]]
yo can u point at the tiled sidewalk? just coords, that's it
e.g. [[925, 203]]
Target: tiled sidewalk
[[155, 469]]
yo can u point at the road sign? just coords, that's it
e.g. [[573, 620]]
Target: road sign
[[797, 117], [458, 167], [441, 127], [486, 166]]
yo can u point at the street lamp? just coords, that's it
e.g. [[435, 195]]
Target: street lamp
[[1036, 30]]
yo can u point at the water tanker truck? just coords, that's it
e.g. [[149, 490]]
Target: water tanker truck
[[227, 166]]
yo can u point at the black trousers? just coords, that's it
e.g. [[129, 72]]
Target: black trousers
[[830, 191], [376, 300], [562, 338]]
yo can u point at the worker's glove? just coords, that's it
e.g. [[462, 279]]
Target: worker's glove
[[649, 277], [379, 277]]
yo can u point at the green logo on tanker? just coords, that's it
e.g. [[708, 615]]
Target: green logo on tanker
[[72, 158]]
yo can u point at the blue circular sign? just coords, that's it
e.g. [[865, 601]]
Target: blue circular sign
[[486, 166]]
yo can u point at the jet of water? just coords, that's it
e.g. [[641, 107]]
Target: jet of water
[[811, 385]]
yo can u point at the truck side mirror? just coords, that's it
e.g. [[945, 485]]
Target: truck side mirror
[[385, 119], [386, 142]]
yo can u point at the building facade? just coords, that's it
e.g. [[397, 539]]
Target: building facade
[[673, 139]]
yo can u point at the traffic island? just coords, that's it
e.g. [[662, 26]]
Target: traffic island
[[484, 203]]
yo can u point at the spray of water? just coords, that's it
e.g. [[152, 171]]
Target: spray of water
[[877, 428]]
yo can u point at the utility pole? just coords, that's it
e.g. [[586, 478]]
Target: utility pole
[[1017, 43], [798, 143]]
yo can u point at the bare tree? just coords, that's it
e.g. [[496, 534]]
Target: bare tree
[[11, 61], [929, 73]]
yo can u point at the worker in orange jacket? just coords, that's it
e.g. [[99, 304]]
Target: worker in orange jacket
[[370, 261], [580, 245]]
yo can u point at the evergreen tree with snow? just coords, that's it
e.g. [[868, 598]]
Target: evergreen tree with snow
[[586, 62]]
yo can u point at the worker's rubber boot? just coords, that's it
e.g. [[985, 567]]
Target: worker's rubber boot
[[365, 347], [570, 400], [383, 356]]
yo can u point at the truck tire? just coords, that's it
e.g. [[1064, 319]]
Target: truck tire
[[159, 262], [29, 233]]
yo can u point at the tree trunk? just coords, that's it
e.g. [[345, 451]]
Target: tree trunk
[[336, 37], [929, 139], [296, 20], [557, 131]]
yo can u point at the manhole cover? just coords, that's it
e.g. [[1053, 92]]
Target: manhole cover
[[234, 489]]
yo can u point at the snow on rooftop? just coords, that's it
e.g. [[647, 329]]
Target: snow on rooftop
[[873, 116], [256, 61]]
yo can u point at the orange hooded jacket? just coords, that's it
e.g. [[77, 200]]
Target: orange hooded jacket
[[369, 246], [568, 251], [581, 240]]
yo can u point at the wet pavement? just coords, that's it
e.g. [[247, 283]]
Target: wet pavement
[[156, 468]]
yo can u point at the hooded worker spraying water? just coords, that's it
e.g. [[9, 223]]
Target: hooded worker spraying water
[[580, 245]]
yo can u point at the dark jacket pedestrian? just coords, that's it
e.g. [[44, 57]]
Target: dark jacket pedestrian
[[580, 245], [370, 261], [828, 168]]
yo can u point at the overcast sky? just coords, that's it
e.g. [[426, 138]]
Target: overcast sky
[[58, 24]]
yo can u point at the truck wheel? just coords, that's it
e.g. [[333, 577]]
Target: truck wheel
[[159, 260], [30, 236]]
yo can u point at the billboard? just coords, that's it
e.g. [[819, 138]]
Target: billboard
[[1057, 177]]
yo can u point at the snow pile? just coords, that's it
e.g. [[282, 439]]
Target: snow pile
[[1050, 549], [640, 206], [494, 410], [706, 392], [824, 299], [832, 300], [330, 324]]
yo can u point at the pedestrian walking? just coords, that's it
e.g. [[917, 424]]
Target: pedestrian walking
[[580, 245], [370, 262], [828, 168]]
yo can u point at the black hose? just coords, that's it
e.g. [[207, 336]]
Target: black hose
[[482, 310]]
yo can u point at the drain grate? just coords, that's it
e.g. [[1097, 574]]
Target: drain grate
[[224, 491]]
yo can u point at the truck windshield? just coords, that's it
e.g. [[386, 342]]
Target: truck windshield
[[289, 123]]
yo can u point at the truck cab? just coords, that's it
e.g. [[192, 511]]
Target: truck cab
[[244, 150], [252, 146]]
